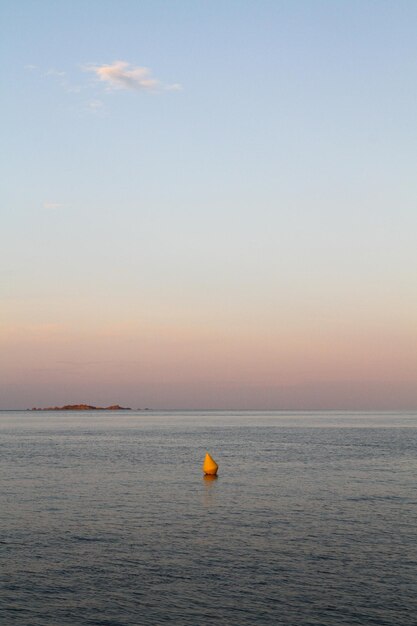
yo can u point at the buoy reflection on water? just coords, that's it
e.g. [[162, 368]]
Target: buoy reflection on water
[[209, 477]]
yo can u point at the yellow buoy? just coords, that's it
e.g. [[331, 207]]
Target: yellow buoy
[[210, 466]]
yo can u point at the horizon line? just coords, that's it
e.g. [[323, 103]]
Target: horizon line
[[206, 410]]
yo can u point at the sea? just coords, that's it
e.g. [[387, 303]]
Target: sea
[[106, 518]]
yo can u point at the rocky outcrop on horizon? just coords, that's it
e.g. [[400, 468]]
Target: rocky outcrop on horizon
[[83, 407]]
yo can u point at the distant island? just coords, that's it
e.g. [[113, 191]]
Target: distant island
[[84, 407]]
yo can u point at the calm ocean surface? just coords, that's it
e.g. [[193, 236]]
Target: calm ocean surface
[[105, 519]]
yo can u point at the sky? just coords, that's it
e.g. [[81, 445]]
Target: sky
[[209, 204]]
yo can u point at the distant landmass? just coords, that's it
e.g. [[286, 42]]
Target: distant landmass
[[84, 407]]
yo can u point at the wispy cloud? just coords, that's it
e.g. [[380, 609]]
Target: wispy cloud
[[95, 105], [122, 75], [62, 78], [59, 76], [54, 72], [53, 205]]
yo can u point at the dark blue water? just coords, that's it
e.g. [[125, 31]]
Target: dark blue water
[[106, 519]]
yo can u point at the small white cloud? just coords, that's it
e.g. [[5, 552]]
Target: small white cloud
[[53, 205], [70, 88], [54, 72], [174, 87], [122, 75], [95, 105], [31, 68], [61, 78]]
